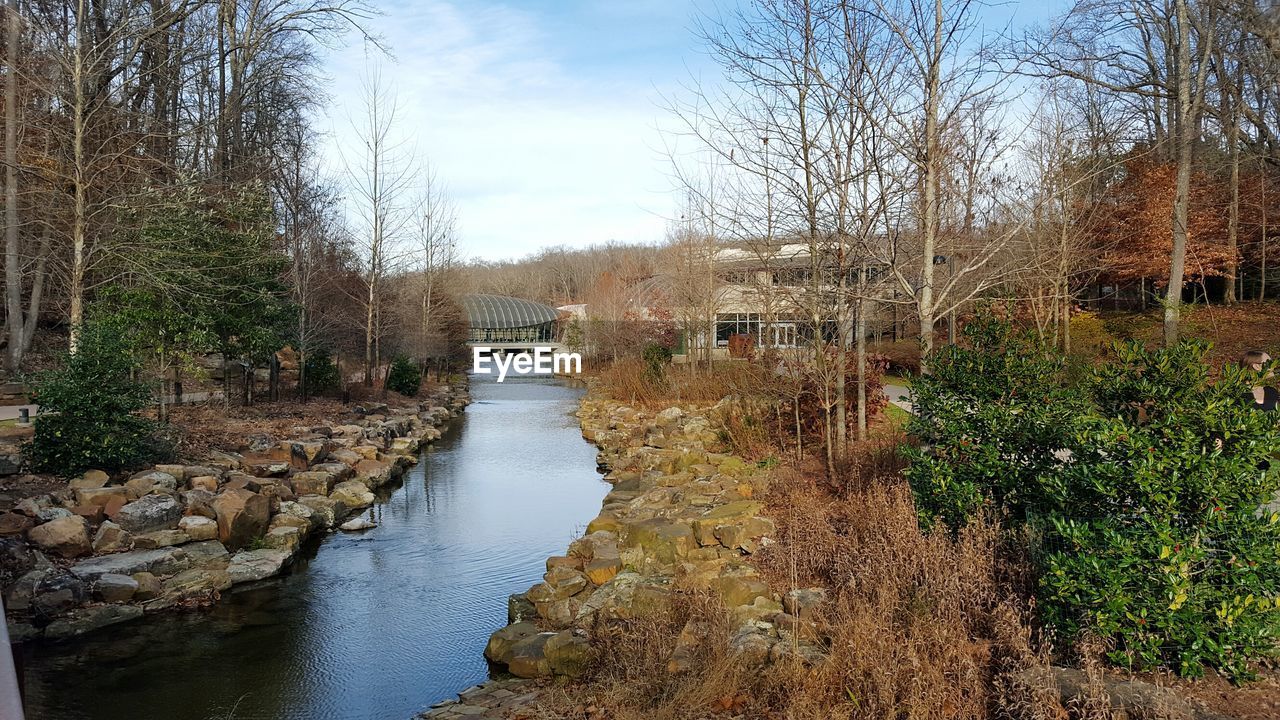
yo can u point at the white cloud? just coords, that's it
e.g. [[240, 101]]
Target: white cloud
[[536, 152]]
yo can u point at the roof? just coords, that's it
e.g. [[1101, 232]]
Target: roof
[[497, 312]]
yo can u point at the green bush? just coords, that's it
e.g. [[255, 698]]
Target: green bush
[[322, 373], [989, 416], [405, 377], [88, 409], [656, 358], [1156, 540], [1143, 489]]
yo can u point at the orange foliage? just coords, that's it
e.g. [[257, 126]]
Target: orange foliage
[[1136, 229]]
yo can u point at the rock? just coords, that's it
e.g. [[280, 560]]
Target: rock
[[57, 591], [15, 524], [200, 502], [111, 538], [91, 618], [16, 557], [312, 482], [160, 561], [207, 483], [353, 494], [602, 570], [100, 496], [268, 468], [285, 520], [149, 586], [89, 483], [241, 481], [520, 608], [502, 642], [325, 511], [308, 451], [625, 597], [160, 539], [604, 522], [567, 653], [198, 527], [561, 613], [32, 506], [565, 580], [740, 587], [761, 608], [691, 638], [662, 540], [150, 481], [251, 565], [300, 512], [528, 659], [177, 471], [114, 588], [373, 473], [149, 513], [357, 524], [92, 514], [10, 459], [669, 417], [195, 582], [568, 561], [225, 460], [338, 470], [191, 472], [804, 602], [283, 537], [66, 537], [23, 590], [242, 517], [50, 514], [259, 442], [206, 552], [347, 457], [1126, 698], [404, 445]]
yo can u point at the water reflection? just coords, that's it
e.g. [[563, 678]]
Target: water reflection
[[376, 625]]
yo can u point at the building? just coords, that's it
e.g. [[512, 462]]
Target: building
[[769, 300], [507, 323]]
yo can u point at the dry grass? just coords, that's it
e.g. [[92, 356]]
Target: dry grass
[[203, 427], [919, 626], [627, 381]]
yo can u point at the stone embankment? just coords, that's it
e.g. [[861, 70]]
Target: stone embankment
[[681, 514], [110, 549]]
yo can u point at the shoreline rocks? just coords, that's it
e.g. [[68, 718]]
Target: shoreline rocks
[[109, 550], [681, 513]]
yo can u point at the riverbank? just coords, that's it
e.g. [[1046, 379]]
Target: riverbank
[[105, 550], [682, 519]]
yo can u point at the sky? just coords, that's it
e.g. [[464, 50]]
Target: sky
[[545, 118]]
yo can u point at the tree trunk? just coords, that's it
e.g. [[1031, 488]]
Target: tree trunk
[[12, 262], [1185, 132], [929, 215]]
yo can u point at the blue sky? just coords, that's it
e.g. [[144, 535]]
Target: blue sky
[[544, 117]]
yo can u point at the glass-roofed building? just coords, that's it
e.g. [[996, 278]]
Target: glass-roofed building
[[506, 321]]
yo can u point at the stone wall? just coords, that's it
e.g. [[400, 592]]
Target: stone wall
[[109, 549], [681, 513]]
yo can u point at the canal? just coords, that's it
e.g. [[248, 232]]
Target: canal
[[377, 625]]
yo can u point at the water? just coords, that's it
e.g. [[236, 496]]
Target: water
[[376, 625]]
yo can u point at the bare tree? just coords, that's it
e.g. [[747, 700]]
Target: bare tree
[[1159, 56], [381, 175]]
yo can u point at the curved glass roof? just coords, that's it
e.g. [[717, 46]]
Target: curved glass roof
[[499, 312]]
